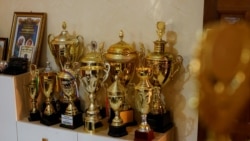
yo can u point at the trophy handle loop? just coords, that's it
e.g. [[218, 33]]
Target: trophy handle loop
[[176, 65], [106, 70]]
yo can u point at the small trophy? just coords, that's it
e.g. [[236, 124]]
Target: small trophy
[[143, 98], [33, 92], [72, 117], [48, 84], [116, 95]]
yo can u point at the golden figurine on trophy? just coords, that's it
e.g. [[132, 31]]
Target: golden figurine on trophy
[[164, 66], [33, 89]]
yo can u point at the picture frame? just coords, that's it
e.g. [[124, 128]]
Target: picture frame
[[3, 48], [26, 36]]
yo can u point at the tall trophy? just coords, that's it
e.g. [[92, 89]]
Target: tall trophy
[[33, 90], [164, 66], [66, 48], [48, 86], [72, 117], [143, 98], [116, 96], [122, 58], [93, 72]]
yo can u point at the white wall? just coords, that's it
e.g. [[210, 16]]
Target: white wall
[[101, 20]]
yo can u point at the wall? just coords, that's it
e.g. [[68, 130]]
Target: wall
[[101, 20]]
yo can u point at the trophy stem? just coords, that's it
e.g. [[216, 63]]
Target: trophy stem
[[33, 105], [49, 110]]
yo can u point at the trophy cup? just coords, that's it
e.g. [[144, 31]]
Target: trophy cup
[[66, 48], [93, 72], [164, 66], [48, 87], [116, 95], [122, 58], [33, 92], [72, 117]]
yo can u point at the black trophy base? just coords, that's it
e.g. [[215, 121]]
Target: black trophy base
[[50, 120], [34, 116], [76, 121], [160, 122], [144, 136], [126, 115], [117, 131], [88, 125]]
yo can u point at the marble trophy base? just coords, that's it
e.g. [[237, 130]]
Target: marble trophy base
[[144, 136], [127, 117], [50, 120], [34, 116], [117, 131], [71, 122], [160, 122]]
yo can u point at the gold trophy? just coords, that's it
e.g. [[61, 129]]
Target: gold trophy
[[122, 58], [48, 87], [66, 48], [33, 92], [93, 72], [72, 117], [143, 97], [164, 66], [116, 96]]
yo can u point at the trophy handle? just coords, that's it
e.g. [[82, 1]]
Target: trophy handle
[[50, 38], [177, 62], [106, 70]]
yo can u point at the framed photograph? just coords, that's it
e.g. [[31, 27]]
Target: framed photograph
[[26, 36], [3, 48]]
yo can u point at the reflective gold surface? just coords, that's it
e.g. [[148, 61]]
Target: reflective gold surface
[[66, 47], [116, 95], [93, 72]]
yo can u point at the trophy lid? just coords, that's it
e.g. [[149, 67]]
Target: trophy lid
[[93, 56], [64, 37], [116, 87], [67, 72], [121, 51]]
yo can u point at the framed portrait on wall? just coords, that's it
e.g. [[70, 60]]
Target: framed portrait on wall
[[26, 36], [3, 48]]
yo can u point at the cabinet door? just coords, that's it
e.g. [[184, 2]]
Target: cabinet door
[[34, 131], [7, 109]]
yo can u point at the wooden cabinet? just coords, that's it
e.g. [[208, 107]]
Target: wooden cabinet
[[14, 108]]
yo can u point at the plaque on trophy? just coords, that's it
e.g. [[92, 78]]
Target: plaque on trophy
[[72, 117]]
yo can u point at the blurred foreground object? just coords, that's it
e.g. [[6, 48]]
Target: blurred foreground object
[[222, 69]]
